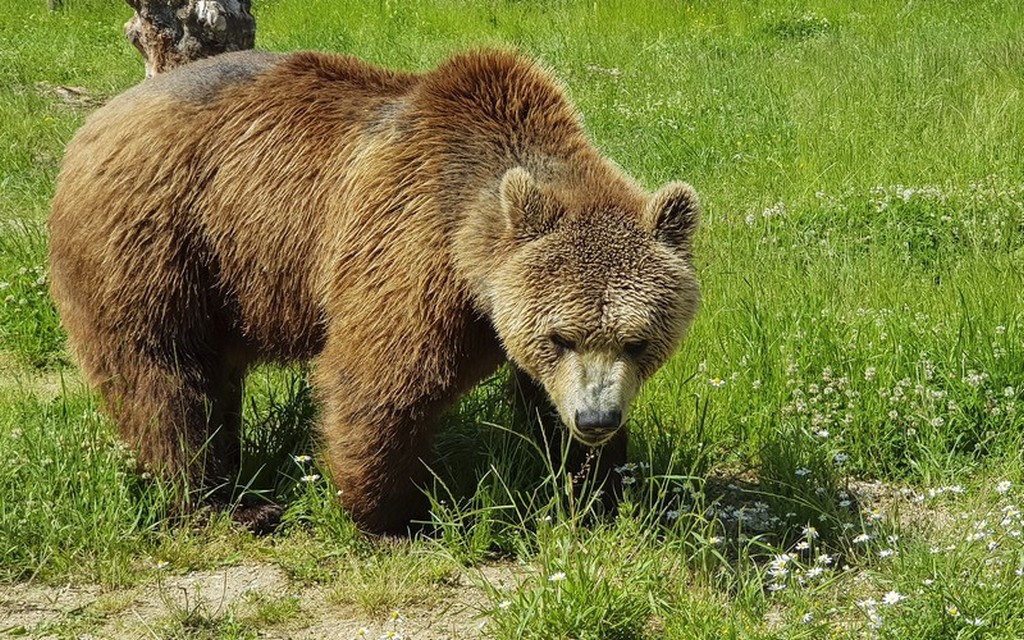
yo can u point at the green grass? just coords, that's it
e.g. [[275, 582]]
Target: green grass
[[861, 340]]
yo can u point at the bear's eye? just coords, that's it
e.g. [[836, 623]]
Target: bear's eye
[[561, 342], [636, 348]]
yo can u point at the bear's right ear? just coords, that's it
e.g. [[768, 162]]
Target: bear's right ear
[[528, 213], [673, 214]]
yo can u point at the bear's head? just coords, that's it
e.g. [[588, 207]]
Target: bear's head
[[593, 294]]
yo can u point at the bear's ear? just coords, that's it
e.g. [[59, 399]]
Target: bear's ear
[[527, 211], [673, 214]]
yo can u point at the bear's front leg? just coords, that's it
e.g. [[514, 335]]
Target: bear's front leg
[[377, 458]]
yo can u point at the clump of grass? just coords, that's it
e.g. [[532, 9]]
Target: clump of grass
[[29, 325], [73, 502], [278, 418], [798, 26], [393, 578]]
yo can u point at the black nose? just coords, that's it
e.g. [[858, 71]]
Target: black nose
[[591, 421]]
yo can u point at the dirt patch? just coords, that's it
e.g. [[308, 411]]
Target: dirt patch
[[25, 608], [75, 97], [258, 597]]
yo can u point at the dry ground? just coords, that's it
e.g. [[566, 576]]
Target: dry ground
[[184, 605]]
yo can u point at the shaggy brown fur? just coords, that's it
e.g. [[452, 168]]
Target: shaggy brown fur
[[407, 230]]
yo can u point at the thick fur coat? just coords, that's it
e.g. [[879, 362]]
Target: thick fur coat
[[409, 231]]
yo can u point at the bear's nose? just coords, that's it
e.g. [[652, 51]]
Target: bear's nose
[[600, 422]]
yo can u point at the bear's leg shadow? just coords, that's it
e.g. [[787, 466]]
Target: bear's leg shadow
[[182, 420], [589, 467]]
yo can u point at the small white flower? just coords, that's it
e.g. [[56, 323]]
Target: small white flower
[[840, 458], [672, 514], [803, 472], [302, 459], [163, 564], [807, 618], [874, 619], [861, 538], [1003, 487], [927, 582], [810, 532], [504, 604], [844, 503], [893, 597], [716, 382], [714, 540], [310, 477], [558, 576], [822, 433], [886, 553], [803, 545]]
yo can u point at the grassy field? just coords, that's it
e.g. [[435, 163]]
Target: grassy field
[[836, 451]]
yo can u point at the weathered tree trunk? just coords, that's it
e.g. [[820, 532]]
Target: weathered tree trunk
[[170, 33]]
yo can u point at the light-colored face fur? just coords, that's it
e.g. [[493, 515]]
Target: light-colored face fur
[[590, 303]]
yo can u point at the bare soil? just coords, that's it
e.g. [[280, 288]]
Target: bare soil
[[180, 605]]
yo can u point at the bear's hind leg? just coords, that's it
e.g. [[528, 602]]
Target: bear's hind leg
[[183, 421]]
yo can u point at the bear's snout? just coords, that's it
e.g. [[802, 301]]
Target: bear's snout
[[598, 422], [597, 426]]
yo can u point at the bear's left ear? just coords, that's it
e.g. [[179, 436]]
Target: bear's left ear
[[673, 214], [528, 212]]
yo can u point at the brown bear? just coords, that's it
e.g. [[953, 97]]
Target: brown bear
[[412, 232]]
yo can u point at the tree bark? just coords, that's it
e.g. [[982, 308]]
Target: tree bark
[[169, 33]]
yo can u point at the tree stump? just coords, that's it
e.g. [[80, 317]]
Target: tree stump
[[169, 33]]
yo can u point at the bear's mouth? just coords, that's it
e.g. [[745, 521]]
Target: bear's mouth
[[593, 438]]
